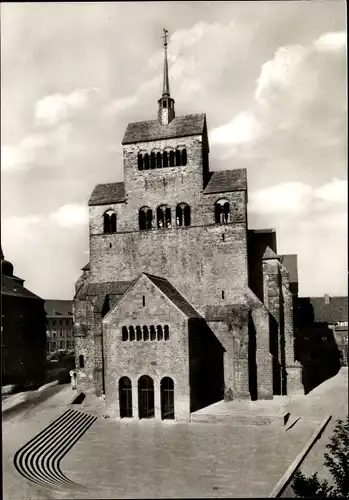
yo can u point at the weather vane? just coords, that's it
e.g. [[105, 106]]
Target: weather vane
[[165, 37]]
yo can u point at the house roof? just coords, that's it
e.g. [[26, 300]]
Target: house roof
[[150, 130], [173, 294], [102, 289], [227, 180], [269, 254], [62, 307], [290, 263], [103, 194], [14, 288], [336, 310]]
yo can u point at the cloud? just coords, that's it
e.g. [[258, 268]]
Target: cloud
[[335, 191], [70, 215], [242, 129], [57, 107], [20, 156], [331, 42]]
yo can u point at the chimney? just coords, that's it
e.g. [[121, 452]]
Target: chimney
[[327, 299]]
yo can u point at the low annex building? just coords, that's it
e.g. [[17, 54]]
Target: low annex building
[[181, 305]]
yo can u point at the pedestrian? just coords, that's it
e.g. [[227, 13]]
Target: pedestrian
[[72, 374]]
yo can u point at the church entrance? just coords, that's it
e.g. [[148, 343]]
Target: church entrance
[[167, 398], [125, 397], [146, 397]]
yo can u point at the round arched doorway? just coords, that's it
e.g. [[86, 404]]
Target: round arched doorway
[[125, 397], [167, 398], [146, 407]]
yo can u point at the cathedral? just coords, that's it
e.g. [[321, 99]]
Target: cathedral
[[181, 304]]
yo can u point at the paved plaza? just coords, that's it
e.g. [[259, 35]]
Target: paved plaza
[[148, 459]]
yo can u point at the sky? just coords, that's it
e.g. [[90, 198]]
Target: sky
[[270, 76]]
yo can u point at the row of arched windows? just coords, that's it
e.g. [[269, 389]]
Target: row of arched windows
[[164, 217], [166, 159], [146, 400], [144, 333]]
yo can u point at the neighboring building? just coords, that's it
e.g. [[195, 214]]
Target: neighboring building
[[59, 325], [331, 313], [181, 305], [23, 338]]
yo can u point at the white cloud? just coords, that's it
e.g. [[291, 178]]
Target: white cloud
[[292, 197], [70, 215], [54, 108], [20, 156], [120, 105], [331, 42], [243, 128], [335, 191]]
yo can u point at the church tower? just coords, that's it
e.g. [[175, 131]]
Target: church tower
[[166, 111]]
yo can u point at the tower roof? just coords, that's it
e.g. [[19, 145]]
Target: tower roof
[[166, 83]]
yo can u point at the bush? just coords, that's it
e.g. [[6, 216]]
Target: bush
[[337, 462]]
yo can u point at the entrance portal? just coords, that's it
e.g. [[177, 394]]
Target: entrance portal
[[167, 398], [125, 397], [146, 397]]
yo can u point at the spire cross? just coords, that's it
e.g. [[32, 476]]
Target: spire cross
[[165, 37]]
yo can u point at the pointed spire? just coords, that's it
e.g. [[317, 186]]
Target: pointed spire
[[166, 111], [166, 83]]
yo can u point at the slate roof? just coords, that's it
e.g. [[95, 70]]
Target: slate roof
[[336, 310], [11, 287], [103, 194], [227, 180], [290, 263], [150, 130], [269, 254], [102, 289], [63, 307], [173, 294]]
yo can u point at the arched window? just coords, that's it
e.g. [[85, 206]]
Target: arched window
[[139, 333], [152, 332], [183, 214], [152, 160], [81, 361], [172, 158], [222, 211], [160, 333], [146, 161], [145, 333], [158, 160], [146, 405], [125, 397], [178, 158], [124, 333], [163, 216], [184, 156], [167, 398], [109, 222], [140, 161], [145, 218], [165, 159], [166, 332], [132, 333]]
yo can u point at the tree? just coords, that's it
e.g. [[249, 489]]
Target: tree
[[337, 462]]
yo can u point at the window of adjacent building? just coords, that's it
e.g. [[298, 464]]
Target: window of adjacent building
[[61, 344], [53, 345], [81, 361]]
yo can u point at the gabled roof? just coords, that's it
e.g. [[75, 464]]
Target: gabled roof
[[290, 263], [150, 130], [336, 310], [11, 287], [103, 194], [62, 307], [86, 267], [227, 180], [269, 254], [102, 289]]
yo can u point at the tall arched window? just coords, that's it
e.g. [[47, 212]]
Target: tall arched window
[[184, 156], [109, 222], [165, 159], [166, 332], [145, 333], [160, 332], [163, 216], [146, 405], [158, 160], [178, 158], [132, 333], [146, 161], [172, 158], [183, 214], [152, 160], [145, 218], [140, 161], [167, 398], [125, 397], [124, 333], [222, 211], [138, 333], [152, 332]]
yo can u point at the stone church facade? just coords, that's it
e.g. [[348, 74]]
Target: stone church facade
[[181, 304]]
